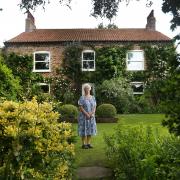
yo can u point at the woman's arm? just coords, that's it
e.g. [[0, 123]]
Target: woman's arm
[[84, 112]]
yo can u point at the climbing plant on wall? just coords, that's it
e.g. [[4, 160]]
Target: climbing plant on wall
[[111, 63], [21, 66]]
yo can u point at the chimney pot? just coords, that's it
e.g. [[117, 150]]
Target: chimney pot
[[151, 22], [30, 23]]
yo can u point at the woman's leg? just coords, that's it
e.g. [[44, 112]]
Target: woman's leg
[[84, 139], [89, 139]]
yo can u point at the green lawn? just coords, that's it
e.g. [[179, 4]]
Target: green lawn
[[96, 156]]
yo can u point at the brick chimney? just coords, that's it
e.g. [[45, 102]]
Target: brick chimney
[[30, 23], [151, 22]]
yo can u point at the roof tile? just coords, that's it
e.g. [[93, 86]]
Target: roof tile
[[62, 35]]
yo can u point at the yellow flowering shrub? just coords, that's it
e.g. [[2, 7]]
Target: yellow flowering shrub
[[33, 144]]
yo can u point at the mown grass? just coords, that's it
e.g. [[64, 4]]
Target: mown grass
[[96, 156]]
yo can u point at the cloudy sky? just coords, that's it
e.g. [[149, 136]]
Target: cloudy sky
[[60, 16]]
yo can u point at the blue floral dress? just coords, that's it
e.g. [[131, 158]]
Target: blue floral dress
[[86, 126]]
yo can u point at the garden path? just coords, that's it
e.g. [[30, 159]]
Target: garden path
[[94, 172]]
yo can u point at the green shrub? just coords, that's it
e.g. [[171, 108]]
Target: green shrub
[[106, 110], [21, 67], [9, 84], [68, 111], [116, 91], [33, 144], [138, 154]]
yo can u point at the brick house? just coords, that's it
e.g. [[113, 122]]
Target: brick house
[[47, 46]]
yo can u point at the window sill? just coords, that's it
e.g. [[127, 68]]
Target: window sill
[[41, 71], [88, 70]]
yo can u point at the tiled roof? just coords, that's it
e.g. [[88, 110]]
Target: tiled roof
[[91, 35]]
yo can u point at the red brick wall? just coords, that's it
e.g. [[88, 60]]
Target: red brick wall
[[56, 53]]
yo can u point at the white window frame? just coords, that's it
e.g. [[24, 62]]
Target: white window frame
[[91, 84], [140, 60], [42, 84], [137, 82], [82, 60], [34, 61]]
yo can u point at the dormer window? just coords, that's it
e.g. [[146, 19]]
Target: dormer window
[[41, 61], [88, 60], [135, 60]]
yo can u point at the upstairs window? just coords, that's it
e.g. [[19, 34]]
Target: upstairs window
[[135, 60], [138, 87], [41, 61], [88, 60]]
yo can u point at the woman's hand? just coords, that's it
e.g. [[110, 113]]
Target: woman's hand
[[88, 116]]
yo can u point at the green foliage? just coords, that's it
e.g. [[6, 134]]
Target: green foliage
[[172, 7], [116, 91], [106, 110], [68, 111], [160, 62], [107, 9], [140, 154], [33, 144], [111, 62], [109, 26], [22, 67], [9, 85], [171, 101]]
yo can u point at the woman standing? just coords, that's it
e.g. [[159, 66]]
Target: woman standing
[[86, 120]]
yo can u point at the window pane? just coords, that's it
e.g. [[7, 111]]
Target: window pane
[[44, 88], [135, 56], [88, 64], [42, 66], [137, 88], [135, 66], [88, 55], [42, 57]]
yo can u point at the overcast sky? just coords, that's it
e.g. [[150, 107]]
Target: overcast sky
[[57, 16]]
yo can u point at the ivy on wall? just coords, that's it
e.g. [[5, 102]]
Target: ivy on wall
[[21, 66], [111, 63]]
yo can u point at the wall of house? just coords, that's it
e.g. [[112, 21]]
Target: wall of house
[[56, 53]]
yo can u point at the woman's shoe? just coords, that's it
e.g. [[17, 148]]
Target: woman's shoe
[[84, 146], [89, 146]]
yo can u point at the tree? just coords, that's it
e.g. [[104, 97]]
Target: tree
[[109, 26]]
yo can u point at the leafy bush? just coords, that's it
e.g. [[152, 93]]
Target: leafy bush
[[33, 144], [116, 91], [140, 154], [9, 85], [106, 110], [22, 67], [171, 103], [68, 111]]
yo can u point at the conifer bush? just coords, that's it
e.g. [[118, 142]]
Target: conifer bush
[[33, 144]]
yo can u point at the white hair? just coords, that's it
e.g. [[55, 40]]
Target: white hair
[[87, 86]]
